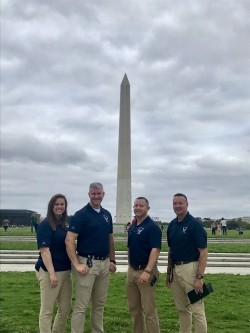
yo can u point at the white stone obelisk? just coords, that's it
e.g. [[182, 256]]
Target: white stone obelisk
[[123, 198]]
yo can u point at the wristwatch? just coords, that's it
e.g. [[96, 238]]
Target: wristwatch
[[113, 261], [199, 276]]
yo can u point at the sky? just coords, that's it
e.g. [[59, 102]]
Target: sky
[[62, 63]]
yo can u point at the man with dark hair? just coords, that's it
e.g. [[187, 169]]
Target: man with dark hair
[[93, 229], [223, 223], [187, 259], [144, 244]]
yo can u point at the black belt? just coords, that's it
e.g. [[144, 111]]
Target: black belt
[[176, 262], [93, 257], [138, 268]]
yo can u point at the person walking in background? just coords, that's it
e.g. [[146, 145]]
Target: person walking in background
[[219, 228], [213, 228], [6, 224], [53, 267], [92, 227], [34, 224], [127, 228], [144, 244], [224, 226], [187, 259]]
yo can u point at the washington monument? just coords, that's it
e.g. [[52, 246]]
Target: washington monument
[[123, 196]]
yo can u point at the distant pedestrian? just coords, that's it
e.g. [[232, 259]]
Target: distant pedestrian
[[240, 231], [213, 228], [127, 228], [34, 224], [6, 224], [224, 226], [219, 228]]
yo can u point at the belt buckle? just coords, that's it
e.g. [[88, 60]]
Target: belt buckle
[[141, 267], [99, 258]]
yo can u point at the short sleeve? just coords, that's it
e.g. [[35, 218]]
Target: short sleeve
[[76, 223], [44, 235], [155, 237], [200, 236], [111, 225]]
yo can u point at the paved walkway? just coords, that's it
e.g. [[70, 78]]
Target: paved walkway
[[228, 263], [218, 263], [123, 268]]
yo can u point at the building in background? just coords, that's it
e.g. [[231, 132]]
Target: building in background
[[18, 217]]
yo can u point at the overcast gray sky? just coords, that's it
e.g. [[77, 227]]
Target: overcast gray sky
[[188, 67]]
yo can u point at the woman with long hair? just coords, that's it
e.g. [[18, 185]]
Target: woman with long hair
[[53, 267]]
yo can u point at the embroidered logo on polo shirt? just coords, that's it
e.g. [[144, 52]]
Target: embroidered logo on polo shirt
[[43, 243], [106, 218], [73, 228], [140, 229], [184, 229]]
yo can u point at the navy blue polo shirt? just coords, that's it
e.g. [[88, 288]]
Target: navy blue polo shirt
[[185, 237], [55, 241], [93, 231], [142, 239]]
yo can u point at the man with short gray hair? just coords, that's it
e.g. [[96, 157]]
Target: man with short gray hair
[[92, 227]]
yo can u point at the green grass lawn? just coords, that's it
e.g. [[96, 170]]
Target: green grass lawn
[[227, 308], [18, 246], [121, 246], [27, 232], [17, 232]]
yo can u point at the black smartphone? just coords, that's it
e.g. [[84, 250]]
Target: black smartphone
[[152, 282]]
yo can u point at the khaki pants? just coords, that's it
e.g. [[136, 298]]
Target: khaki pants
[[141, 302], [94, 286], [183, 281], [62, 293]]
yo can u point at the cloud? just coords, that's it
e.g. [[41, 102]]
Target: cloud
[[188, 67]]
